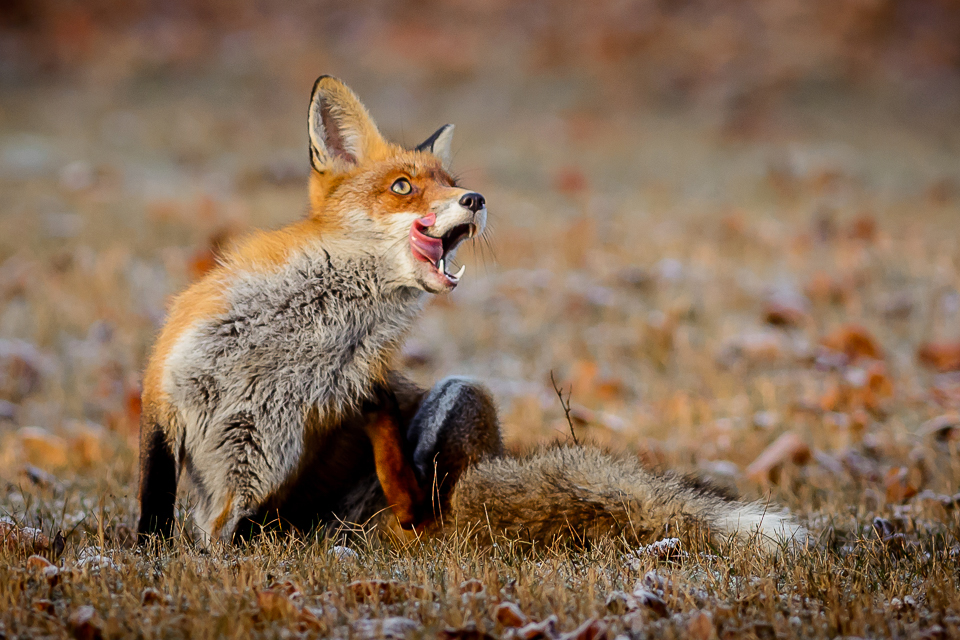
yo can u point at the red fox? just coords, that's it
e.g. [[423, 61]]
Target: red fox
[[273, 384]]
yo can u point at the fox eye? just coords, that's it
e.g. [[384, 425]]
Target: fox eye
[[401, 186]]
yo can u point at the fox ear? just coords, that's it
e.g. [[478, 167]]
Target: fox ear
[[342, 133], [439, 144]]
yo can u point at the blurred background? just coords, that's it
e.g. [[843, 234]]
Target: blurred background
[[717, 225]]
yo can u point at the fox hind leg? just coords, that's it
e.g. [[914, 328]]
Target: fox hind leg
[[455, 426]]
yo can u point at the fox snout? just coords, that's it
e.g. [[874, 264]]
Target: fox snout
[[469, 210], [435, 237]]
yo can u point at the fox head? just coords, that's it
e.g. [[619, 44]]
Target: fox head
[[401, 204]]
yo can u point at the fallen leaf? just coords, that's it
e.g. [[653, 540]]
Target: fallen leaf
[[275, 605], [38, 563], [385, 591], [942, 356], [854, 342], [898, 486], [652, 602], [942, 428], [26, 539], [509, 615], [85, 624], [569, 180], [700, 626], [620, 602], [41, 447], [825, 289], [471, 586], [863, 227], [789, 447], [86, 442], [535, 630], [41, 478], [151, 596], [592, 629], [783, 314]]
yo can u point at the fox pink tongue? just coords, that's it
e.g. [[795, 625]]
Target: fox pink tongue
[[423, 246]]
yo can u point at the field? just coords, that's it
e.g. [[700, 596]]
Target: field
[[763, 293]]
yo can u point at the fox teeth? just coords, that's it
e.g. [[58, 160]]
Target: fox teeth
[[459, 274], [440, 266]]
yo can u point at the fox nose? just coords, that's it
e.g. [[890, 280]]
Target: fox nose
[[473, 201]]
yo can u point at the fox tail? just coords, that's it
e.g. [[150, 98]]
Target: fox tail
[[582, 494]]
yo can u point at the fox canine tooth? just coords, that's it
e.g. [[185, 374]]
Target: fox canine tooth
[[459, 274], [440, 266]]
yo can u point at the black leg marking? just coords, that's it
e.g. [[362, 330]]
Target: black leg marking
[[158, 484], [455, 427]]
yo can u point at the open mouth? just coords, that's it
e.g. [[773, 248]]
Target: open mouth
[[435, 250]]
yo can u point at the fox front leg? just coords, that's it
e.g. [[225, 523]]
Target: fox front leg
[[245, 458]]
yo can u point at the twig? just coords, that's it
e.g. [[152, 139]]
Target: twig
[[566, 408]]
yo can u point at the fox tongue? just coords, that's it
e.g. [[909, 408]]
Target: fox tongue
[[429, 249]]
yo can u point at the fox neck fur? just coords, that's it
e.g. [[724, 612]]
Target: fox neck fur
[[314, 333]]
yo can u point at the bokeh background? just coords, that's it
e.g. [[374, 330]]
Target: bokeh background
[[721, 227]]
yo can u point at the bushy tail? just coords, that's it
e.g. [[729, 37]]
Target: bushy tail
[[583, 494]]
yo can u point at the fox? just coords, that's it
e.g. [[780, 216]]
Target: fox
[[274, 385]]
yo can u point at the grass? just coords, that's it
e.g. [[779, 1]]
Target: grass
[[684, 286]]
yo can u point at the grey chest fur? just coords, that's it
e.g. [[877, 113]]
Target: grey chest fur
[[310, 335]]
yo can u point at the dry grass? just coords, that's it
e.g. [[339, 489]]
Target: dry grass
[[691, 288]]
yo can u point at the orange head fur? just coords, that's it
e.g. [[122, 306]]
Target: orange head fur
[[401, 205]]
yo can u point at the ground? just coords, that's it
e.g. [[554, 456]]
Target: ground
[[768, 299]]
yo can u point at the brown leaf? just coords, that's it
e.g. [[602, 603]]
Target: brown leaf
[[863, 227], [25, 539], [700, 626], [942, 356], [385, 591], [85, 624], [38, 563], [471, 586], [789, 447], [592, 629], [825, 289], [854, 342], [782, 314], [151, 596], [44, 606], [620, 602], [42, 448], [40, 478], [942, 428], [898, 485], [86, 442], [510, 615], [570, 180], [275, 604], [536, 630], [652, 602]]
